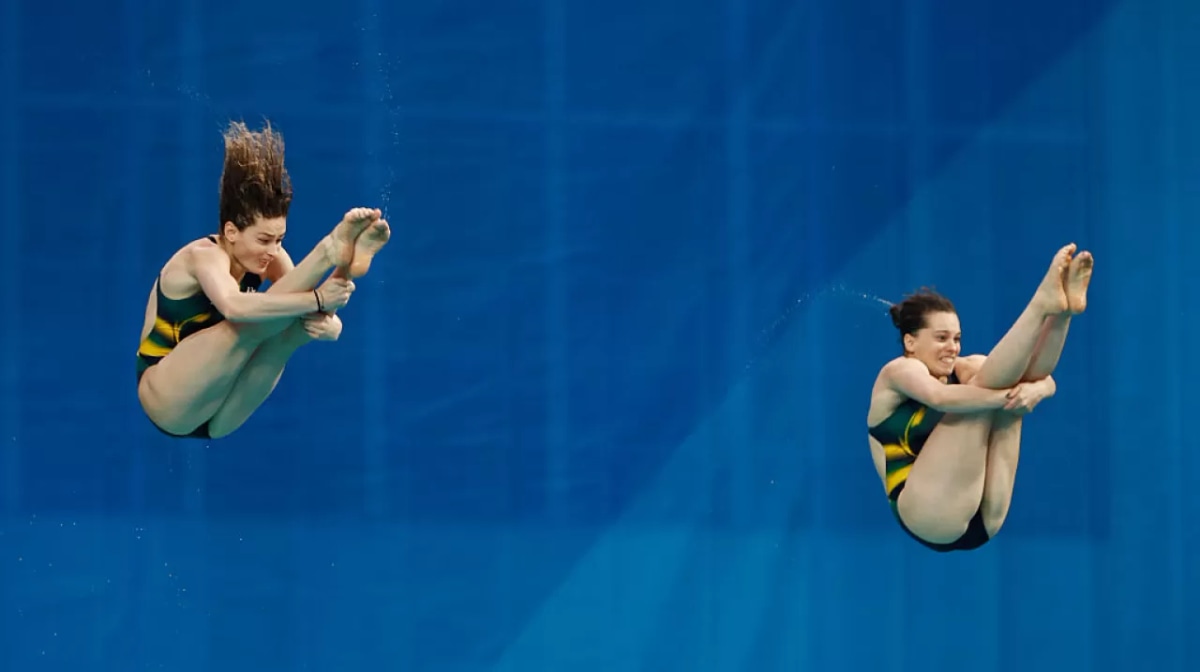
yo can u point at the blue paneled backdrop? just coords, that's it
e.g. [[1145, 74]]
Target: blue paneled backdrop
[[600, 405]]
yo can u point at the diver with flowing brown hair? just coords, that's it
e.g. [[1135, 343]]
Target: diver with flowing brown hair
[[212, 346]]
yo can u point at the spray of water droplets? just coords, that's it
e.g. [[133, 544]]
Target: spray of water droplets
[[389, 107], [188, 92], [770, 335], [771, 332]]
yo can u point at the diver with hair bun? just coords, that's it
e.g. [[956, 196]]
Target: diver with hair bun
[[945, 430]]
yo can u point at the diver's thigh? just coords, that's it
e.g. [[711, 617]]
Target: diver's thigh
[[945, 485], [186, 387]]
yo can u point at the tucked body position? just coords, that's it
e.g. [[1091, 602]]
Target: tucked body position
[[945, 429], [213, 347]]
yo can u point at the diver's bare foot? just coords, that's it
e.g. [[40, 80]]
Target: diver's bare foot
[[1078, 276], [344, 235], [367, 246], [1051, 295]]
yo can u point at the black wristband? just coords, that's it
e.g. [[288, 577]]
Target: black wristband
[[320, 306]]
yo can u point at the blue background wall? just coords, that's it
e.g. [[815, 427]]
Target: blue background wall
[[600, 405]]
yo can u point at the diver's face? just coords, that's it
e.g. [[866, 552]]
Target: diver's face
[[937, 344], [256, 246]]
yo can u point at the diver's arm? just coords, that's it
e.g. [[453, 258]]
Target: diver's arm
[[210, 265], [911, 378]]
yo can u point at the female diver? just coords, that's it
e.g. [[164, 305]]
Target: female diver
[[212, 348], [945, 431]]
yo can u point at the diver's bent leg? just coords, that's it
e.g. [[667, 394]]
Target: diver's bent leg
[[945, 485], [1076, 280], [334, 250], [185, 388], [1049, 349], [257, 380], [1004, 451], [1011, 357]]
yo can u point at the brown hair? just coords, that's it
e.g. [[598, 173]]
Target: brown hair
[[909, 315], [254, 181]]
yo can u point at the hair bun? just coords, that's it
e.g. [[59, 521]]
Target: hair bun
[[895, 311]]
